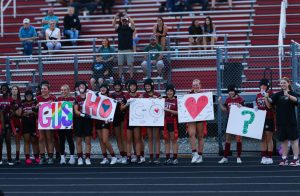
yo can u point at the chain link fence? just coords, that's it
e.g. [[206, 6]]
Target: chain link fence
[[242, 66]]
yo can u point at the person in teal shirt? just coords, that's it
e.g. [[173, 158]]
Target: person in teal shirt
[[46, 19], [155, 58]]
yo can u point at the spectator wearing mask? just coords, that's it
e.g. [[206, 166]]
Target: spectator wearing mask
[[27, 35], [72, 25], [125, 27]]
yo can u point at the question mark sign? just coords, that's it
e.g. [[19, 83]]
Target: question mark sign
[[248, 122]]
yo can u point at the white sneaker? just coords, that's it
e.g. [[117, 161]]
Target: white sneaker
[[104, 161], [10, 163], [142, 160], [88, 161], [238, 160], [113, 160], [269, 161], [72, 160], [133, 158], [195, 157], [124, 160], [80, 161], [200, 159], [263, 160], [1, 162], [62, 160], [223, 160]]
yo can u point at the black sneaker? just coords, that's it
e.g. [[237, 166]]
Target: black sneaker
[[151, 161], [156, 161], [17, 161], [50, 161], [175, 162], [284, 162], [43, 161]]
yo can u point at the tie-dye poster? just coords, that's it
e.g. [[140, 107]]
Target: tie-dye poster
[[55, 115]]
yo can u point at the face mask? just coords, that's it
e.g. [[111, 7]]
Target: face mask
[[81, 90]]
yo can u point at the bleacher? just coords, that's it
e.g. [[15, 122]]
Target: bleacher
[[251, 22]]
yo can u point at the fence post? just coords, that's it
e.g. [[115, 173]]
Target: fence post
[[41, 69], [219, 92], [148, 65], [94, 45], [76, 68], [7, 69], [293, 49], [226, 49], [39, 48]]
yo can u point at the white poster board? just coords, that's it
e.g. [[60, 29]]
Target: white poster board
[[146, 112], [195, 107], [99, 107], [55, 115], [246, 122]]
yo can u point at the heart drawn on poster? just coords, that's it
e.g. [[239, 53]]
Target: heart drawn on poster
[[195, 107], [105, 108]]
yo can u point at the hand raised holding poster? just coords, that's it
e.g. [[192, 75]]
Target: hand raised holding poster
[[195, 107], [146, 112], [99, 107], [246, 122], [55, 115]]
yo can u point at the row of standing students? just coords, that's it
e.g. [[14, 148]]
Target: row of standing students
[[19, 117]]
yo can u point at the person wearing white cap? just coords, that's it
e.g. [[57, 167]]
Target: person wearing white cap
[[27, 35], [155, 57]]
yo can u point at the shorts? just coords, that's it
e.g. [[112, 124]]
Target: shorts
[[101, 125], [287, 132], [269, 125], [118, 119], [29, 126], [125, 57], [83, 127], [170, 127]]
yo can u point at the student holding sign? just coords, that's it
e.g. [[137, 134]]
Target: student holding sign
[[103, 128], [171, 124], [46, 137], [233, 99], [118, 123], [263, 104], [196, 129], [150, 93], [132, 133], [29, 127], [5, 129], [83, 125], [65, 133], [285, 103]]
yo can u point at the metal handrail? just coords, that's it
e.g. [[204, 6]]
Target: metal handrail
[[3, 8]]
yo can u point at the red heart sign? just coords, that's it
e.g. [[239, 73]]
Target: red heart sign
[[156, 110], [195, 108]]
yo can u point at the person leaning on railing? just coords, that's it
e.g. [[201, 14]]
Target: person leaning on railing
[[53, 37], [72, 25], [27, 35]]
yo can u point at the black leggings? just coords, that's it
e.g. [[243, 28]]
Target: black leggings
[[6, 135], [63, 134]]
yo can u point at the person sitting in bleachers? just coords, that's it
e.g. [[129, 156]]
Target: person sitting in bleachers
[[155, 58], [90, 5], [27, 35], [53, 37], [203, 3], [102, 68], [209, 29], [107, 5], [213, 3], [160, 29], [72, 25], [195, 29], [45, 21]]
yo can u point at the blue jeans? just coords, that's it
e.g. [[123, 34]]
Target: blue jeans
[[73, 34], [27, 47]]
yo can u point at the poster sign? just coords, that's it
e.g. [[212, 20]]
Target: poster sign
[[195, 107], [146, 112], [99, 107], [246, 122], [55, 115]]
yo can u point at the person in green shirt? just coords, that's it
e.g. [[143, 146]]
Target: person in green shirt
[[155, 57]]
